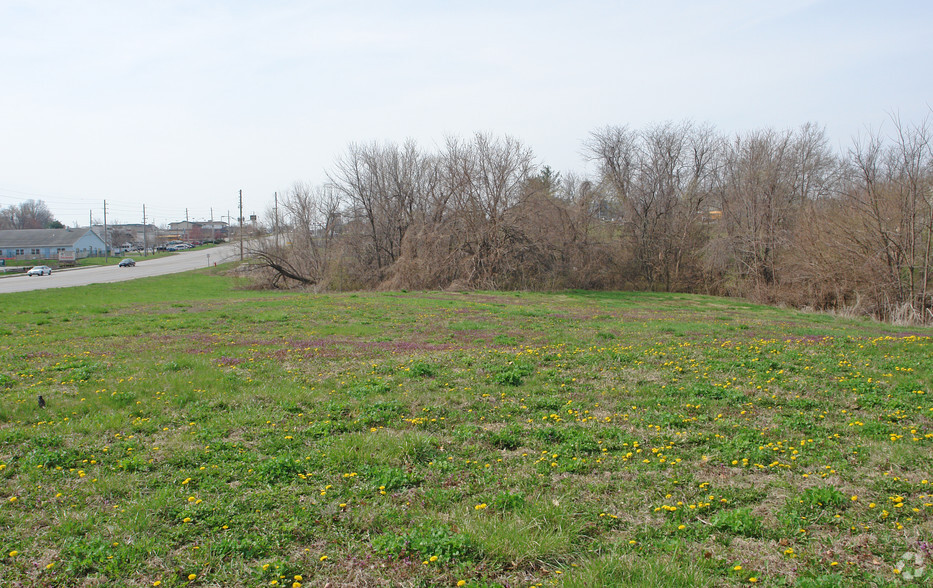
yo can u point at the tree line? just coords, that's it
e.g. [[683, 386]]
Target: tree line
[[773, 215]]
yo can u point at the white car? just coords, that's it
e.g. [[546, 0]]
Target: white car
[[40, 270]]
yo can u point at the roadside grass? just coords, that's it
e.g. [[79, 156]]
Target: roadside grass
[[197, 433]]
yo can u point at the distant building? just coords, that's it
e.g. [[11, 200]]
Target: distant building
[[199, 231], [127, 236], [183, 226], [48, 243], [219, 227]]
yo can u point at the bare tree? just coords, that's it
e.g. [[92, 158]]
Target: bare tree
[[388, 188], [766, 179], [31, 214], [464, 230], [660, 179], [312, 219], [889, 189], [493, 174]]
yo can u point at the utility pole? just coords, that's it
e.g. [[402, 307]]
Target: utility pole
[[145, 233], [186, 225], [241, 225], [106, 244], [276, 229], [213, 230]]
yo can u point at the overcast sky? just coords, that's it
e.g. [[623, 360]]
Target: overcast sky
[[180, 104]]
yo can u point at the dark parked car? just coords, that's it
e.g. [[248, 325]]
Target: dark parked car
[[128, 262]]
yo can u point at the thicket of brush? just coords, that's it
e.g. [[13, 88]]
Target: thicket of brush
[[776, 216]]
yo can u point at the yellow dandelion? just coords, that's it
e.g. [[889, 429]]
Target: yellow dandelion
[[192, 576], [323, 557]]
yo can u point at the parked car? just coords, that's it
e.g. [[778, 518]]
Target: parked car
[[40, 270], [128, 262]]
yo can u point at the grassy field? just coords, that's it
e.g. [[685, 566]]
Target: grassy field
[[197, 434]]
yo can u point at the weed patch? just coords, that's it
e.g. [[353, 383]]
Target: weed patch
[[426, 542]]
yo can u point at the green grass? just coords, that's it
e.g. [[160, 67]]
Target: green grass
[[582, 439]]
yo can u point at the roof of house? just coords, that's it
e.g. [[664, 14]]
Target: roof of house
[[42, 237]]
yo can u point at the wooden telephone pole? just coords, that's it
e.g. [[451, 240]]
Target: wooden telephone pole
[[106, 240], [241, 225]]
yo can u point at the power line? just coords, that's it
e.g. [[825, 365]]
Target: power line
[[77, 205]]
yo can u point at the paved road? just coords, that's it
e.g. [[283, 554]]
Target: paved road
[[180, 262]]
